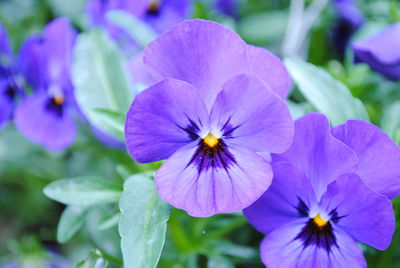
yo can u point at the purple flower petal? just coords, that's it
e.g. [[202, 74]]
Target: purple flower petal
[[5, 51], [6, 102], [44, 122], [228, 7], [202, 53], [289, 198], [59, 38], [350, 19], [204, 186], [164, 118], [31, 62], [378, 156], [249, 114], [169, 13], [97, 9], [317, 153], [269, 68], [281, 249], [362, 213], [381, 51], [348, 11], [139, 74]]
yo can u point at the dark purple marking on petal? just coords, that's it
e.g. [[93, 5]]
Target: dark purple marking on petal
[[322, 237], [192, 129], [217, 156], [312, 234], [55, 107], [302, 208], [335, 216], [10, 92]]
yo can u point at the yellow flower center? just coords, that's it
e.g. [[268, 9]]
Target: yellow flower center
[[211, 140], [319, 221], [154, 5], [59, 99]]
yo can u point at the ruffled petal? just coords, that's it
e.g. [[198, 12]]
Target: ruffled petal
[[59, 39], [203, 186], [202, 53], [282, 249], [31, 62], [289, 198], [359, 211], [164, 118], [378, 155], [269, 68], [317, 153], [248, 114], [45, 124], [381, 51]]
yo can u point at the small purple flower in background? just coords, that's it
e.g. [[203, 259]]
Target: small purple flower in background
[[228, 7], [8, 90], [160, 14], [16, 71], [350, 19], [217, 104], [46, 117], [381, 52], [319, 204]]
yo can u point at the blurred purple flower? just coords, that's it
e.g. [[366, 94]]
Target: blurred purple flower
[[160, 14], [318, 206], [12, 75], [350, 19], [216, 104], [381, 52], [45, 117], [228, 7]]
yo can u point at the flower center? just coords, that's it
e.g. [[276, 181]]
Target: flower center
[[154, 7], [319, 221], [59, 99], [211, 140]]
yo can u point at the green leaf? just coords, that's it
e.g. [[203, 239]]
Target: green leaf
[[297, 110], [143, 223], [326, 94], [253, 27], [109, 222], [114, 121], [139, 31], [100, 79], [83, 191], [94, 260], [390, 122], [218, 261], [72, 219], [229, 248]]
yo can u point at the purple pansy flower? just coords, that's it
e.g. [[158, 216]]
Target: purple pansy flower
[[160, 14], [381, 52], [216, 104], [318, 206], [10, 82], [16, 72], [350, 19], [46, 117]]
